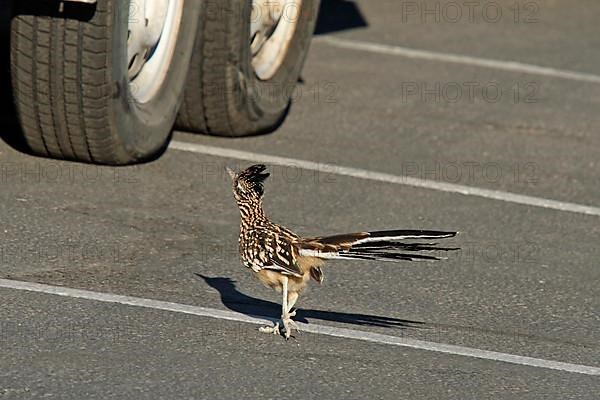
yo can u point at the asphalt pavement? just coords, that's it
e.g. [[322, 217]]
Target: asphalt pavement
[[371, 119]]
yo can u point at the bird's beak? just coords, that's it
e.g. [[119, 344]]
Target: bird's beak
[[230, 172]]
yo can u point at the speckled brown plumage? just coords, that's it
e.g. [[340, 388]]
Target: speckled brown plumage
[[282, 260]]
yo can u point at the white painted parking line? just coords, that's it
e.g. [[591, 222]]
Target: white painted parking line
[[388, 178], [311, 328], [513, 66]]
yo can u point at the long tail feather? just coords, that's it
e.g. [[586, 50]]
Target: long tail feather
[[378, 245]]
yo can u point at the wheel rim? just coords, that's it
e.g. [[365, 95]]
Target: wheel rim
[[152, 34], [272, 27]]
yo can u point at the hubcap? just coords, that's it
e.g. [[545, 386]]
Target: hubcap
[[272, 26], [152, 32]]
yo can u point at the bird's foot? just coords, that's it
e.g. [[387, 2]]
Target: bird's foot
[[270, 329], [282, 327], [288, 324]]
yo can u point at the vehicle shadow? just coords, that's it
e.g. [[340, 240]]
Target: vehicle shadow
[[338, 15], [237, 301]]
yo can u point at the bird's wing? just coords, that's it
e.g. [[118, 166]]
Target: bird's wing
[[276, 252]]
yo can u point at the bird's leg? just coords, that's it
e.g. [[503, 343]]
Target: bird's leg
[[288, 301], [284, 308], [291, 300], [285, 317], [284, 301], [292, 297]]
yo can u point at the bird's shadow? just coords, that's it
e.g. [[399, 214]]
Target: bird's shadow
[[237, 301]]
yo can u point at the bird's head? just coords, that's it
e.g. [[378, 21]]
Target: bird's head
[[248, 184]]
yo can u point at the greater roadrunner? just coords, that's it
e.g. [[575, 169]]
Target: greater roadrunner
[[285, 262]]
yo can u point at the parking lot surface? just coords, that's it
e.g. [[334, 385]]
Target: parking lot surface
[[488, 127]]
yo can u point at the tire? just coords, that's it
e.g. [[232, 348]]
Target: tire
[[69, 73], [223, 94]]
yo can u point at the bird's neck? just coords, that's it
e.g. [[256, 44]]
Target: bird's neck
[[251, 212]]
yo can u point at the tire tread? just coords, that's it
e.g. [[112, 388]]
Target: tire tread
[[62, 65]]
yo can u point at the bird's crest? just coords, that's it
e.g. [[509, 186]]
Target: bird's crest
[[249, 181]]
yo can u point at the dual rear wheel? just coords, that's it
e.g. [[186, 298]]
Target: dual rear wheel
[[105, 82]]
